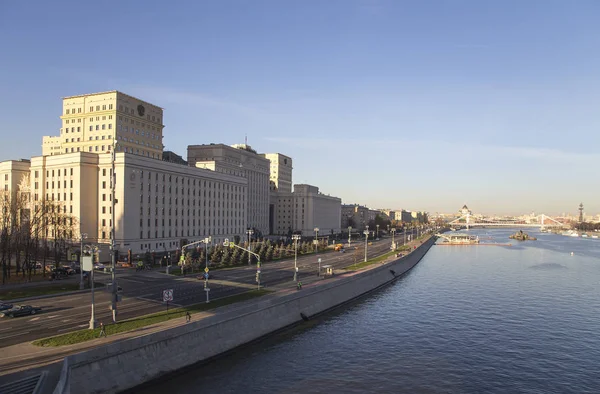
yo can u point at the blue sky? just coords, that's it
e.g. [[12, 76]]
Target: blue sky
[[422, 105]]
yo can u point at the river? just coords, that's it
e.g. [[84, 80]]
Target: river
[[466, 319]]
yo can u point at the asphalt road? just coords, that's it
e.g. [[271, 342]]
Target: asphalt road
[[142, 292]]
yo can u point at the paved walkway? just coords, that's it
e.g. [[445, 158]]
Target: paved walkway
[[25, 359]]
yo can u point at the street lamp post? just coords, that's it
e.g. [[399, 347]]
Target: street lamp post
[[113, 257], [317, 248], [81, 284], [206, 289], [366, 233], [349, 235], [295, 237], [404, 231], [393, 240], [377, 231], [92, 251], [249, 232]]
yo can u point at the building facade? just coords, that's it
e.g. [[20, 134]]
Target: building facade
[[158, 204], [313, 209], [239, 160], [355, 216], [95, 122]]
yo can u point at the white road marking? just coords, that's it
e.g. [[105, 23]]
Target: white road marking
[[34, 319], [52, 317], [15, 335]]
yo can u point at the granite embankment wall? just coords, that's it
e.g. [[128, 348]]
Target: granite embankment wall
[[123, 365]]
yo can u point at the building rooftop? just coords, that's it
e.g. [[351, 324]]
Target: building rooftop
[[111, 91]]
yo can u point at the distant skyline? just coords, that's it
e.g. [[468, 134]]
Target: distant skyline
[[423, 105]]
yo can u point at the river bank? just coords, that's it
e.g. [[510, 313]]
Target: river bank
[[180, 347]]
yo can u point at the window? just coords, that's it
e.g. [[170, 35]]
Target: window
[[67, 111], [103, 126], [91, 109], [97, 108], [104, 184], [78, 129], [104, 108], [110, 106], [110, 126], [97, 127]]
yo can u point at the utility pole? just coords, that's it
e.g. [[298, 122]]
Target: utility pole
[[112, 236], [249, 232], [349, 235], [295, 237], [366, 233], [81, 284]]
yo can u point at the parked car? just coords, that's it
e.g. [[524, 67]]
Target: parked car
[[98, 266], [58, 273], [4, 306], [69, 269], [21, 310]]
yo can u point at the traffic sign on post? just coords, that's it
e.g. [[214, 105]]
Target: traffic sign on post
[[167, 295], [206, 270]]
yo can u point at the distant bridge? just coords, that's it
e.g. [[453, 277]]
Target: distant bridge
[[468, 220]]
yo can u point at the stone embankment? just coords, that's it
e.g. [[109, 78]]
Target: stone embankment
[[126, 364]]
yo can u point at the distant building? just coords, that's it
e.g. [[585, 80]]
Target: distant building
[[239, 160], [354, 215], [172, 157], [314, 209]]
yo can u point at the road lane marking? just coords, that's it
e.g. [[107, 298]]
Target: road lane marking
[[15, 335]]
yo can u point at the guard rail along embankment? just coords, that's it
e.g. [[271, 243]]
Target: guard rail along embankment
[[129, 363]]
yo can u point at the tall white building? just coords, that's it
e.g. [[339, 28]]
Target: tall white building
[[239, 160], [93, 122], [158, 204], [314, 209]]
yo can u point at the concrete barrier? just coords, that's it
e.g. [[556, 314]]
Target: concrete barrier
[[123, 365]]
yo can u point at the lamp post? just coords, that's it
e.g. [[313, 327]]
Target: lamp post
[[113, 257], [92, 251], [317, 248], [206, 289], [349, 235], [249, 232], [366, 233], [393, 241], [377, 231], [82, 236], [295, 237], [404, 231]]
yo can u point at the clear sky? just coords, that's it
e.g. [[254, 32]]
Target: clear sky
[[421, 105]]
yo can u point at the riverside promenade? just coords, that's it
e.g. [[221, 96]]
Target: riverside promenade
[[25, 363]]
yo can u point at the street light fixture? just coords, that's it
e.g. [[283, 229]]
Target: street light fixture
[[249, 232], [296, 237], [377, 231], [366, 233], [393, 241], [82, 236], [316, 239]]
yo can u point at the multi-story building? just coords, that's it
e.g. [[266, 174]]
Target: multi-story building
[[239, 160], [157, 205], [94, 122], [354, 215], [405, 216], [280, 172], [313, 209], [14, 179]]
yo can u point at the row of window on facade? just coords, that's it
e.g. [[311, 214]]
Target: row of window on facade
[[131, 140], [137, 132], [67, 121], [182, 234], [137, 123], [215, 222]]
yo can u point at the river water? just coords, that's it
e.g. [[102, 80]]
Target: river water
[[466, 319]]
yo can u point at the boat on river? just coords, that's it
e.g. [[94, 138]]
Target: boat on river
[[459, 239]]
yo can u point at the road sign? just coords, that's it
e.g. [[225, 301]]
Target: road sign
[[319, 260], [88, 264], [206, 269], [206, 275], [206, 289], [167, 295], [258, 271]]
